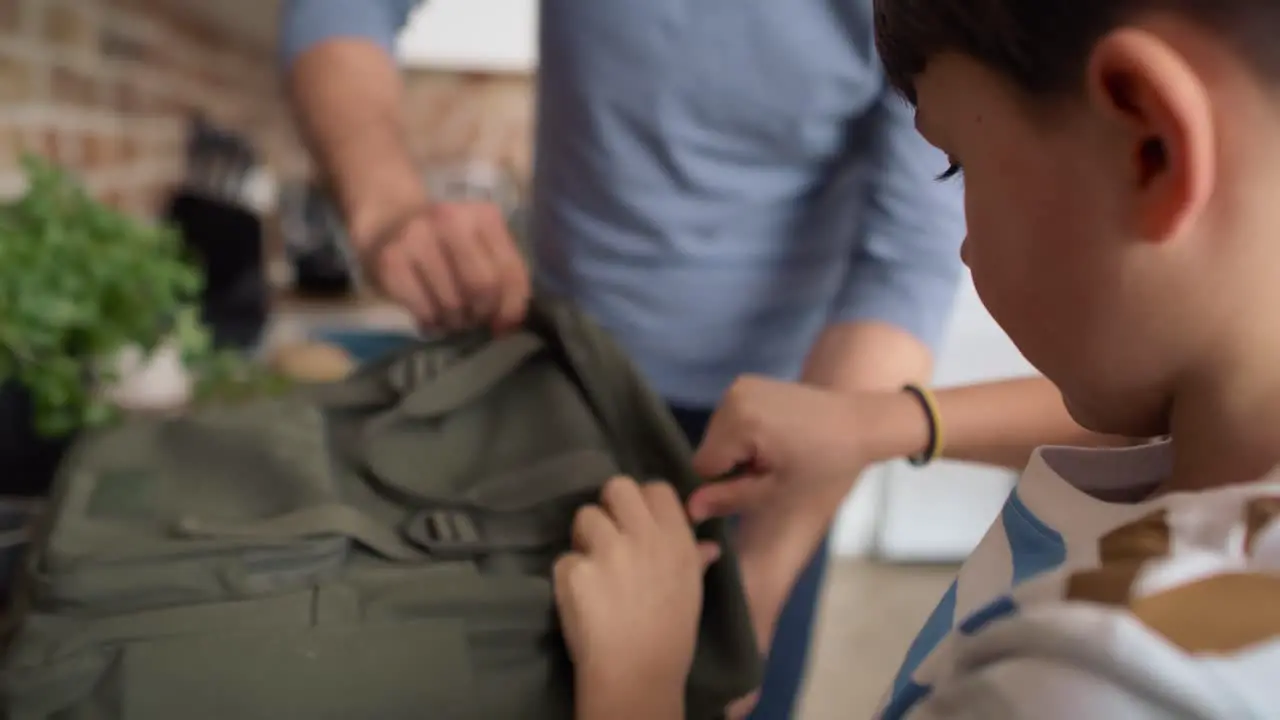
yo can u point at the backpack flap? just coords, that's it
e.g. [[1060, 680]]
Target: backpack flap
[[649, 445], [129, 501], [497, 428]]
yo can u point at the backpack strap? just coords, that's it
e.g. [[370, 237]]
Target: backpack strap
[[409, 381], [464, 533], [608, 384], [466, 381], [317, 520]]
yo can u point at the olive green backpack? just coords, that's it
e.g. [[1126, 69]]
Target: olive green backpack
[[374, 549]]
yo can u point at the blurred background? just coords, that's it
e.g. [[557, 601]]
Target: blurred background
[[173, 109], [111, 88]]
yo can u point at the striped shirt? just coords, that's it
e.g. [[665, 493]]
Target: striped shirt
[[1088, 599]]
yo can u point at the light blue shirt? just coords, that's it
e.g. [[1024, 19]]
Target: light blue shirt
[[716, 181]]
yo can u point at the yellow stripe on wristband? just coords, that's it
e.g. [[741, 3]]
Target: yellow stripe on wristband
[[933, 450]]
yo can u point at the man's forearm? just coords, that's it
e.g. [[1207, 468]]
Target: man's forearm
[[861, 356], [348, 97]]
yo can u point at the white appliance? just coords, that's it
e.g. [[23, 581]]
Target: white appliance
[[472, 36], [938, 513]]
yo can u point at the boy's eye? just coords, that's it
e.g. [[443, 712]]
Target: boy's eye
[[952, 170]]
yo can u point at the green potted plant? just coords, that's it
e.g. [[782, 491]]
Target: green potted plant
[[82, 287]]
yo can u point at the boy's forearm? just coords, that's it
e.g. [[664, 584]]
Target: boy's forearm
[[628, 699], [348, 96], [997, 423], [857, 357], [1003, 422]]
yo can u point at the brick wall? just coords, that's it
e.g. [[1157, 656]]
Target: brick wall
[[459, 117], [106, 86]]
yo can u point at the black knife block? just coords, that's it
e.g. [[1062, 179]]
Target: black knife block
[[227, 241]]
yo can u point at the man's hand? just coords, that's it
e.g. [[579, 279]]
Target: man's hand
[[630, 595], [453, 265]]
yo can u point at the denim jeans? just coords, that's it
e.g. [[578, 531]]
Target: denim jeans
[[789, 651]]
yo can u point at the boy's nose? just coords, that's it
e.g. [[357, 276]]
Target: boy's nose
[[964, 251]]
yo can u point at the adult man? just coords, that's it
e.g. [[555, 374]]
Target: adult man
[[728, 186]]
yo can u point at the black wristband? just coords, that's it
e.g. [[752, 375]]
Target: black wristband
[[934, 446]]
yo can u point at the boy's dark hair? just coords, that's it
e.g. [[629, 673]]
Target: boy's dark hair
[[1042, 45]]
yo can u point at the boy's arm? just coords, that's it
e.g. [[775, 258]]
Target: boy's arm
[[626, 701], [997, 423]]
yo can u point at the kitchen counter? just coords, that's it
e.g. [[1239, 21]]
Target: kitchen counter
[[295, 318]]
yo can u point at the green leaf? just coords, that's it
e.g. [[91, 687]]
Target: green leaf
[[79, 282]]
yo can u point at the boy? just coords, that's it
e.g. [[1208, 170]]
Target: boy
[[1121, 159]]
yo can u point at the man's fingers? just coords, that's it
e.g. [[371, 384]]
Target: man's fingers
[[728, 497], [477, 277], [592, 529], [513, 275], [399, 281], [513, 301], [427, 257], [513, 289]]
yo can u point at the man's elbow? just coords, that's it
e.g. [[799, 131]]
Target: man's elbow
[[915, 295]]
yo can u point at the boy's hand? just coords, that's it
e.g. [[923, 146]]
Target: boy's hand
[[787, 455], [630, 595], [769, 434]]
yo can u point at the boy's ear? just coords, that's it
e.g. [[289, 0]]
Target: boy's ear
[[1147, 89]]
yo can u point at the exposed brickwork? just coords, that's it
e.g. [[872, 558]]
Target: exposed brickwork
[[461, 117], [106, 86]]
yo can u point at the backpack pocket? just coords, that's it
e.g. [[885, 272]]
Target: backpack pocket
[[515, 653], [140, 505], [263, 659], [400, 671], [58, 662]]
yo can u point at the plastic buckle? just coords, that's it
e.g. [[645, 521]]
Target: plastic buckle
[[456, 533], [450, 534]]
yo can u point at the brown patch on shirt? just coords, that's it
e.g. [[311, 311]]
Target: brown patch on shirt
[[1259, 513], [1108, 585], [1146, 538], [1222, 613], [1121, 555]]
